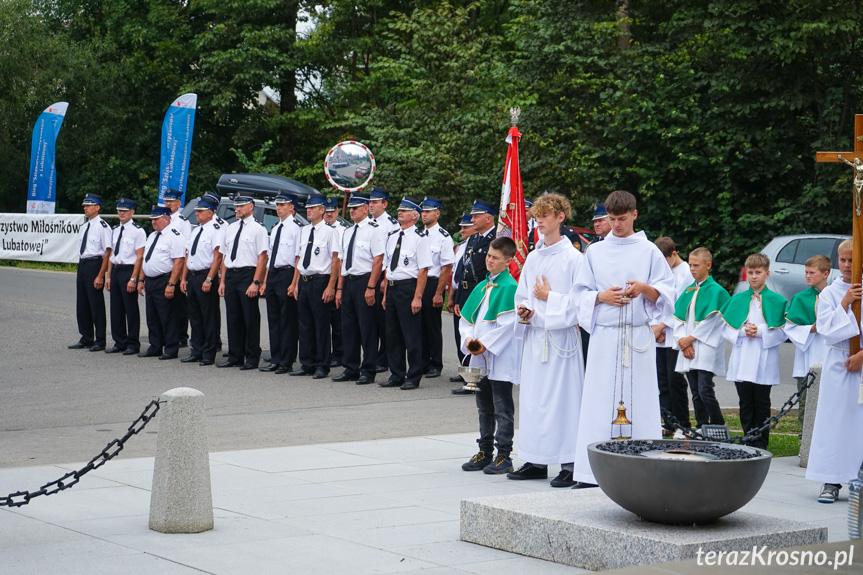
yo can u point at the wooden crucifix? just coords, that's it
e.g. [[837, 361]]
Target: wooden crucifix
[[855, 160]]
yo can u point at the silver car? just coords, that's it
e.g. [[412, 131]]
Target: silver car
[[788, 255]]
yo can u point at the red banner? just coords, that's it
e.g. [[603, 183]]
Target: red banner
[[513, 217]]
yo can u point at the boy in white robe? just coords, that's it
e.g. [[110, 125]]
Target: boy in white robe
[[800, 328], [486, 329], [837, 452], [551, 362], [754, 321], [698, 335], [623, 284]]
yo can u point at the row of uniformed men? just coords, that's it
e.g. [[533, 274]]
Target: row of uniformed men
[[384, 275]]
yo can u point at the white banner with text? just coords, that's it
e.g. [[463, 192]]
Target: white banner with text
[[40, 237]]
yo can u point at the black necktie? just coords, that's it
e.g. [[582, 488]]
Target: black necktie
[[397, 252], [349, 260], [195, 243], [119, 237], [152, 246], [307, 258], [84, 240], [276, 247], [236, 242]]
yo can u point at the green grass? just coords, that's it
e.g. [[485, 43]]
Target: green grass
[[39, 265], [784, 438]]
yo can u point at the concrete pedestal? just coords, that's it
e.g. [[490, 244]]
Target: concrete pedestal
[[809, 418], [181, 500], [584, 528]]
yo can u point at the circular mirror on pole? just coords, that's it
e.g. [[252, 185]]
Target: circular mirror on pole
[[349, 166]]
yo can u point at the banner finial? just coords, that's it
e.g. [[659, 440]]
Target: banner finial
[[514, 113]]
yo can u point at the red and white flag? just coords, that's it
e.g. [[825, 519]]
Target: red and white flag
[[512, 221]]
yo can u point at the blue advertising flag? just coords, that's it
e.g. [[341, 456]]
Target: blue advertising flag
[[177, 130], [42, 185]]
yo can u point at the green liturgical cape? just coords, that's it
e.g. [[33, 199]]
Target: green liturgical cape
[[501, 300], [711, 298], [773, 306], [802, 308]]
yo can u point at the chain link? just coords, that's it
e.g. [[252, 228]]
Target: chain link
[[111, 450], [753, 434]]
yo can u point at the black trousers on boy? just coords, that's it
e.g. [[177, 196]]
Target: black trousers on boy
[[754, 409]]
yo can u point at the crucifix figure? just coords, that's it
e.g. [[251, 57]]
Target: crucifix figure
[[855, 160]]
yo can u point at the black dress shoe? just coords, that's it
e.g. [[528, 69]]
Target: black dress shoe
[[345, 376], [271, 367], [381, 369], [150, 353], [456, 379], [410, 385], [433, 373], [365, 380], [462, 391], [79, 345], [248, 366], [114, 349], [97, 347], [320, 374], [132, 351], [191, 358], [283, 369], [204, 362], [229, 363], [581, 485], [302, 371], [168, 356], [391, 383]]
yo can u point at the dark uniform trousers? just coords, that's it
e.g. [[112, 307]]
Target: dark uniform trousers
[[314, 322], [431, 329], [243, 316], [672, 387], [403, 332], [90, 303], [336, 326], [358, 320], [161, 318], [182, 318], [125, 315], [754, 409], [381, 327], [282, 317], [203, 315]]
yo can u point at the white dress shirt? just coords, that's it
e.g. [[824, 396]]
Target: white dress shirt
[[209, 238], [170, 245], [98, 238], [134, 238], [253, 242], [289, 243], [369, 244], [181, 223], [440, 245], [387, 223], [414, 254], [325, 244]]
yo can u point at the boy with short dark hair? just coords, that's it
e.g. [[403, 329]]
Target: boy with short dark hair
[[810, 347], [486, 327], [754, 320]]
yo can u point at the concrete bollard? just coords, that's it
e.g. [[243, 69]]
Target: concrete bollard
[[181, 500], [809, 418]]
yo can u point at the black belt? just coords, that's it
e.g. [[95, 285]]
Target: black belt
[[242, 269], [199, 272], [160, 276], [401, 282], [359, 277], [314, 277], [124, 266], [90, 259], [280, 268]]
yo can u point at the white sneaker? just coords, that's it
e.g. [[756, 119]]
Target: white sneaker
[[829, 493], [678, 435]]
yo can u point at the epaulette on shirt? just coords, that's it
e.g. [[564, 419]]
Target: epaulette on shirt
[[421, 233], [443, 232], [394, 232], [184, 218], [373, 224], [299, 223], [392, 219], [220, 220], [215, 225], [332, 226], [136, 225], [175, 231], [104, 224], [115, 227]]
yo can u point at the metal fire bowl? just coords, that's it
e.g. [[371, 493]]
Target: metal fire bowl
[[679, 492]]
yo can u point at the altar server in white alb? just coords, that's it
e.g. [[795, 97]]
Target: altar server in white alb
[[623, 284], [551, 364], [837, 452]]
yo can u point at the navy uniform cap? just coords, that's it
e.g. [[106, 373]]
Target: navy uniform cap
[[284, 198], [528, 203], [172, 194], [243, 200], [377, 193], [599, 212], [358, 199], [207, 203], [466, 222], [159, 211], [409, 203], [483, 207], [92, 200], [431, 203], [126, 204], [316, 200], [332, 204]]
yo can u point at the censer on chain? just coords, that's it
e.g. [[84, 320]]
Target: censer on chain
[[621, 362]]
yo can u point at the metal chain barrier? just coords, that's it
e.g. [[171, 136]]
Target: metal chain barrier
[[753, 434], [111, 450]]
